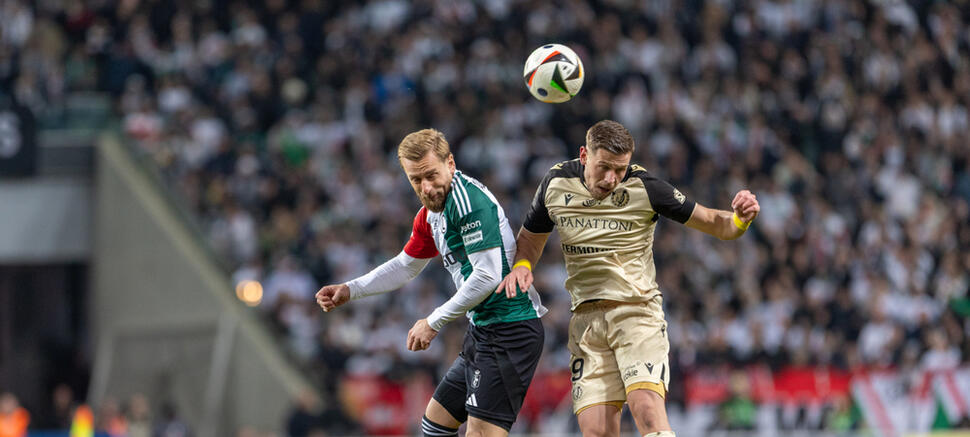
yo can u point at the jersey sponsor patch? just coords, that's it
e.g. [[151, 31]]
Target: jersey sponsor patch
[[679, 196], [621, 197], [470, 226], [472, 238]]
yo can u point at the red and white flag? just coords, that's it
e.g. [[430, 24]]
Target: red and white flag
[[952, 387]]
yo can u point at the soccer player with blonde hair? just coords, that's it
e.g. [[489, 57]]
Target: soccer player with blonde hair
[[461, 221]]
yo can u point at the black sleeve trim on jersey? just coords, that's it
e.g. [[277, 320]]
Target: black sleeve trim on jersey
[[537, 220], [664, 198]]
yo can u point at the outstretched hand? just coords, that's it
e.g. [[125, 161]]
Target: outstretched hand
[[745, 205], [332, 296], [520, 276]]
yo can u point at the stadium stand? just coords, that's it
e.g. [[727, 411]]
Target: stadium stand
[[276, 122]]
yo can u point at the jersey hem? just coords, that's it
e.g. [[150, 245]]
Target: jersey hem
[[511, 320]]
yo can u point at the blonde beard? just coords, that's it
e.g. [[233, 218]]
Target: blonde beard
[[434, 207]]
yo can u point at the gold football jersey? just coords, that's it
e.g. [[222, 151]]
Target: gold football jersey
[[608, 244]]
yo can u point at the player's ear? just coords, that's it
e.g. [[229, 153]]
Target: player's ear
[[583, 155], [451, 163]]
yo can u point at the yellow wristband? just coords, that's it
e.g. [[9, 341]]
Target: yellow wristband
[[523, 262], [740, 224]]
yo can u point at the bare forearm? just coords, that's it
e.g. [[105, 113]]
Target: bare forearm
[[715, 222], [725, 227], [529, 246]]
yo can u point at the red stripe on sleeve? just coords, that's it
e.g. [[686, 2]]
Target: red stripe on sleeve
[[421, 244]]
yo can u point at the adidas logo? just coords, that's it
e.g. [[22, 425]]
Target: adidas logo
[[568, 197], [472, 401]]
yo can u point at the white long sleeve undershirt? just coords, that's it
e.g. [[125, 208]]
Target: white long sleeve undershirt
[[393, 274], [486, 275]]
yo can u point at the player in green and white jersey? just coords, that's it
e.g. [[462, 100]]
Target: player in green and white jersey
[[462, 222]]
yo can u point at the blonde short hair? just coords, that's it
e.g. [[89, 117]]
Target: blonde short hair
[[417, 144]]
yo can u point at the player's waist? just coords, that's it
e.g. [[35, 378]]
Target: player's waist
[[603, 304], [596, 304], [609, 272], [607, 300]]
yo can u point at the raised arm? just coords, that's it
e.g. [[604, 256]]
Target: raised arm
[[671, 203], [391, 275], [726, 225]]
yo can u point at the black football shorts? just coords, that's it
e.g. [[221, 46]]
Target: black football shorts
[[490, 377]]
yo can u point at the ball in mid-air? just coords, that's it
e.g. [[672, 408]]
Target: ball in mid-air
[[553, 73]]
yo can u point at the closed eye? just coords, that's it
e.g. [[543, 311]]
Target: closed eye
[[418, 178], [616, 168]]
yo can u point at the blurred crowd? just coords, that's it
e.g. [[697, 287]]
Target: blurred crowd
[[278, 122], [112, 419], [137, 417]]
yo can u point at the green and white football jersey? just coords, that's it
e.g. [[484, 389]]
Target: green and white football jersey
[[472, 221]]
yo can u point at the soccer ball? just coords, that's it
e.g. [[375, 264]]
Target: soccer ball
[[553, 73]]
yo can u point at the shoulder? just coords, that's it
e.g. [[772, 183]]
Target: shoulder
[[565, 169], [471, 189], [637, 171], [562, 171], [471, 186], [421, 219], [664, 197], [650, 181], [468, 194], [655, 186]]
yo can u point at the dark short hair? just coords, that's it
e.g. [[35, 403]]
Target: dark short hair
[[610, 136]]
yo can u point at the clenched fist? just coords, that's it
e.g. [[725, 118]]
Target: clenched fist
[[332, 296], [745, 206]]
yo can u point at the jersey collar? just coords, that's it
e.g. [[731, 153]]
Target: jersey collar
[[449, 196]]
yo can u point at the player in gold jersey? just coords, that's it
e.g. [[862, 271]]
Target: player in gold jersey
[[605, 210]]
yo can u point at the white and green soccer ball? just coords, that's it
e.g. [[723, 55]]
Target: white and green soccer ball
[[553, 73]]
